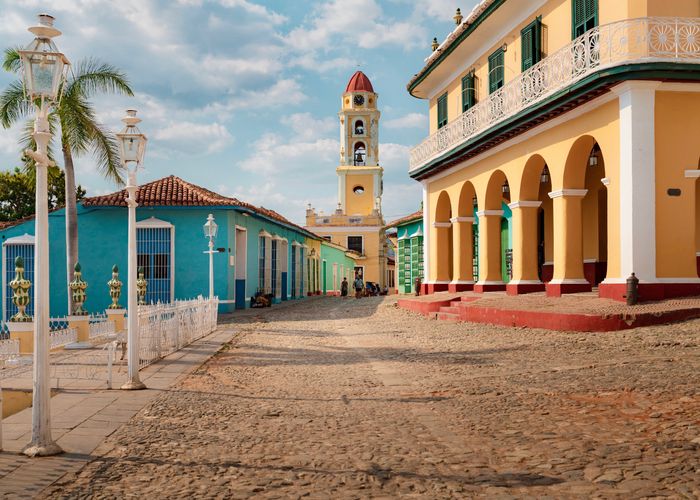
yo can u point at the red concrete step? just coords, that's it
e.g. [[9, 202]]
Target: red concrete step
[[450, 309], [448, 316]]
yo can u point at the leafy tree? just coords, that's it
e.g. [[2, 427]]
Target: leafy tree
[[80, 131], [17, 191]]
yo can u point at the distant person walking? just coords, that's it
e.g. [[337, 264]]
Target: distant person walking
[[359, 286], [344, 288]]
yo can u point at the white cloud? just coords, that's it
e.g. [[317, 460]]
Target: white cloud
[[411, 120], [394, 156], [335, 24], [284, 92], [194, 138], [272, 155], [306, 127]]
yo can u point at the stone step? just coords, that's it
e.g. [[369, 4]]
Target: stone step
[[450, 309], [447, 316]]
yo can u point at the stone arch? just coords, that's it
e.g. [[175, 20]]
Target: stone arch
[[443, 232], [465, 230], [582, 238], [533, 228], [495, 235]]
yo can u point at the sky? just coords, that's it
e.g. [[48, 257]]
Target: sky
[[242, 96]]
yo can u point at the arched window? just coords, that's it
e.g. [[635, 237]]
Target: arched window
[[359, 154], [359, 127]]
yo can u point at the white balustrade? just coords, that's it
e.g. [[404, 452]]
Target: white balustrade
[[101, 328], [59, 338], [649, 39], [166, 328]]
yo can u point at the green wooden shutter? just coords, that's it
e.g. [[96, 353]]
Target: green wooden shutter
[[468, 91], [442, 110], [584, 16], [496, 71], [531, 43]]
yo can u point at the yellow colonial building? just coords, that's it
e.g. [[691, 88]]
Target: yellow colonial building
[[357, 222], [563, 151]]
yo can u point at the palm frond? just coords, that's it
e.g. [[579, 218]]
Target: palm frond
[[12, 62], [92, 76], [106, 154], [13, 104]]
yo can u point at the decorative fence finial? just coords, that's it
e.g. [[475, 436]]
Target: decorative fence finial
[[141, 287], [78, 287], [115, 288], [20, 292]]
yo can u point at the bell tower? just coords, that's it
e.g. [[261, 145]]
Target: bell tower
[[359, 174], [357, 223]]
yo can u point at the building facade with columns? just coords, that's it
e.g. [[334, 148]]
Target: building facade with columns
[[563, 150], [357, 223]]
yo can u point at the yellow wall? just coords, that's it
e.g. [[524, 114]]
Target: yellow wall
[[359, 204], [372, 242], [554, 146], [676, 122]]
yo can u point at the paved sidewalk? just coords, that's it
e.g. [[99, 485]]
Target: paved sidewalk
[[82, 419]]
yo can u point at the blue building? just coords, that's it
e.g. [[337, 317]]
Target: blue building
[[258, 249]]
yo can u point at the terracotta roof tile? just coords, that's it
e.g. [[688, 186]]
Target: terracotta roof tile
[[168, 191], [409, 218]]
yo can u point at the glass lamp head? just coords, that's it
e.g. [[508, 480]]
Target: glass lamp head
[[210, 228], [43, 66], [132, 143]]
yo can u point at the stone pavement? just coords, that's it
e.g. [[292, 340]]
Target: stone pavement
[[82, 419], [335, 398]]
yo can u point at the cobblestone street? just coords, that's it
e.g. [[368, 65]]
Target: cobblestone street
[[336, 398]]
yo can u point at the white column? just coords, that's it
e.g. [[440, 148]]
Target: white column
[[132, 343], [211, 268], [42, 443], [268, 264], [426, 233], [637, 180], [341, 190]]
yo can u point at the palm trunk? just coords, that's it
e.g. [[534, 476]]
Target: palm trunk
[[71, 220]]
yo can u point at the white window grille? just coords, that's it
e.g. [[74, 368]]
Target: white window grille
[[155, 249]]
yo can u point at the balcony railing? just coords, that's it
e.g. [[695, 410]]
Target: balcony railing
[[649, 39]]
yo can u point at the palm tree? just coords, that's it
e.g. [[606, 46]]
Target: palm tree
[[80, 131]]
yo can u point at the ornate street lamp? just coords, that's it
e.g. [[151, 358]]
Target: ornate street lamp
[[44, 69], [210, 230], [132, 148]]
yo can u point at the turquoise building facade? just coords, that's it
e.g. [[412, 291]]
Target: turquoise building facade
[[257, 249]]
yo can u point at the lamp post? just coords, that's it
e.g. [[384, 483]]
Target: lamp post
[[132, 147], [44, 69], [210, 229]]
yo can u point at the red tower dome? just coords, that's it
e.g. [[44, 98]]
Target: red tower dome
[[359, 83]]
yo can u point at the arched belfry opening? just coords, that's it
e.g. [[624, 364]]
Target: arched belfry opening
[[359, 154], [359, 128]]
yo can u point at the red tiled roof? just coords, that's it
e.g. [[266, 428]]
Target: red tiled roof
[[409, 218], [174, 191], [168, 191], [359, 83]]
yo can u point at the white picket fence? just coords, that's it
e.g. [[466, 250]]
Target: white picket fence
[[59, 338], [166, 328], [102, 328], [9, 349]]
